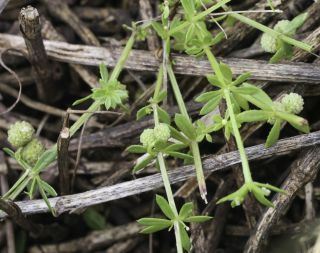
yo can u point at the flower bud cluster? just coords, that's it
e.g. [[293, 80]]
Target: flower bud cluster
[[21, 137]]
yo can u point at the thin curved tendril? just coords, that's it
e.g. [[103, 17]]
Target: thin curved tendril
[[15, 76]]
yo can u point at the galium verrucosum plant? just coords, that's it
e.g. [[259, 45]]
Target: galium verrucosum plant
[[28, 150], [191, 36], [110, 94], [156, 143]]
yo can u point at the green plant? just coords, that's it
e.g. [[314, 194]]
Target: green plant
[[186, 32], [110, 94]]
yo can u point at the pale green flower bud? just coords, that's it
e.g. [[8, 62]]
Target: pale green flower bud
[[20, 133], [32, 151], [162, 132], [147, 137], [268, 43], [292, 103]]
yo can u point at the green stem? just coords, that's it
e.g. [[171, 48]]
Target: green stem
[[236, 133], [123, 58], [272, 32], [193, 145], [214, 64], [167, 187], [176, 91]]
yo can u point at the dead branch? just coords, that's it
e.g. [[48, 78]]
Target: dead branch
[[137, 186], [141, 60]]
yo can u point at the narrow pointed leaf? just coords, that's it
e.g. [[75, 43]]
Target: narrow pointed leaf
[[165, 207], [211, 105], [252, 116], [103, 72], [153, 229], [154, 222], [198, 218], [139, 149], [186, 210], [205, 97], [185, 125], [185, 240], [141, 164], [274, 134]]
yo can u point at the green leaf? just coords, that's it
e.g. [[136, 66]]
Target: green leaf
[[163, 115], [143, 112], [205, 97], [190, 33], [188, 6], [242, 78], [297, 122], [160, 97], [165, 207], [154, 222], [48, 188], [274, 134], [258, 194], [259, 99], [139, 149], [94, 219], [153, 229], [186, 210], [32, 188], [178, 136], [103, 72], [226, 71], [278, 56], [201, 218], [44, 196], [45, 159], [185, 125], [175, 147], [159, 29], [142, 163], [213, 79], [271, 187], [297, 22], [179, 155], [9, 152], [211, 105], [242, 102], [244, 90], [81, 100], [252, 116], [185, 240]]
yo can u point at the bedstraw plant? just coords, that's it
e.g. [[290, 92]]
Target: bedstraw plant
[[185, 30]]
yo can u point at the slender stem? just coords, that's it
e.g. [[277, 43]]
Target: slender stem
[[236, 133], [176, 91], [123, 58], [214, 64], [167, 187], [193, 145], [272, 32]]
